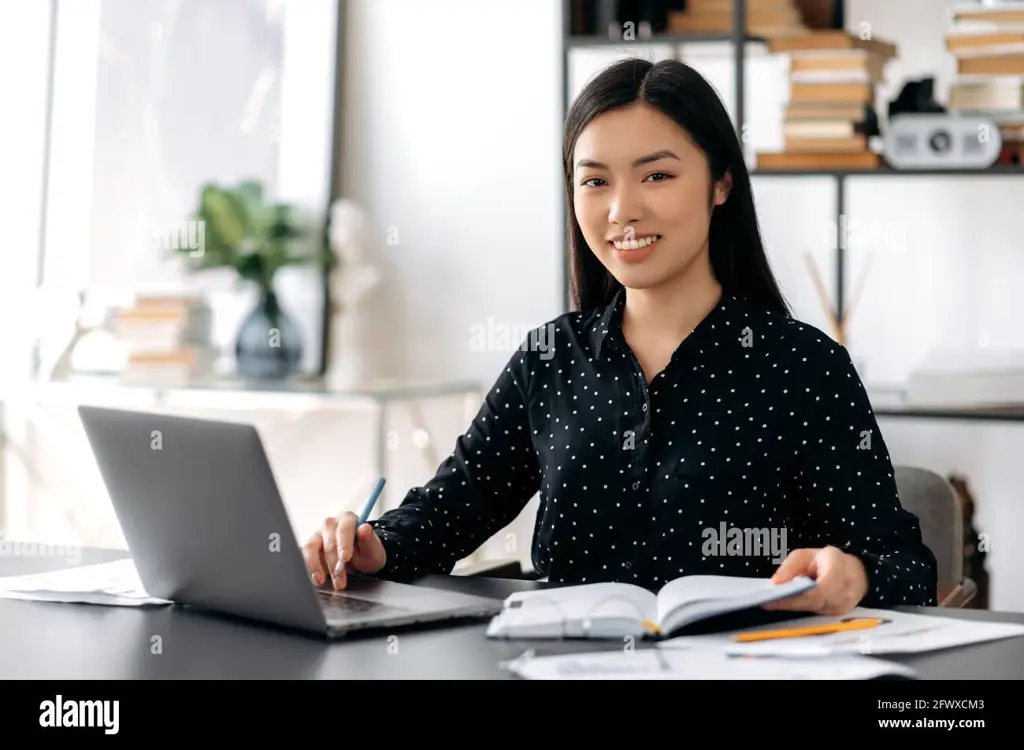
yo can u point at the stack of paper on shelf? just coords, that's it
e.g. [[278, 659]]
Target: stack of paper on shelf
[[977, 378], [831, 114], [988, 46], [766, 18]]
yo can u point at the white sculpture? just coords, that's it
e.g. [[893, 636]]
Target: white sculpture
[[351, 280]]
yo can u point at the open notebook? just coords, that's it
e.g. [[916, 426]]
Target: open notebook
[[615, 610]]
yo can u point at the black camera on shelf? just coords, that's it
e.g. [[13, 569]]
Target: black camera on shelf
[[941, 141]]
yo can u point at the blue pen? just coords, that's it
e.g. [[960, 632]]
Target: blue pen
[[364, 516]]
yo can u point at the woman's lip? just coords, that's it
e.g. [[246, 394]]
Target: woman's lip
[[612, 244], [635, 256]]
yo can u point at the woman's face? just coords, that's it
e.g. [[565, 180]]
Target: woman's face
[[637, 176]]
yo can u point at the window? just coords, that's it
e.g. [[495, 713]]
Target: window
[[153, 98]]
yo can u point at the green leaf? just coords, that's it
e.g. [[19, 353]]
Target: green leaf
[[225, 215], [253, 237], [249, 195]]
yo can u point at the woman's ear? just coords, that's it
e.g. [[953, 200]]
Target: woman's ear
[[722, 189]]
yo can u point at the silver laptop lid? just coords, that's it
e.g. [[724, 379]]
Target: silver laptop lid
[[201, 512]]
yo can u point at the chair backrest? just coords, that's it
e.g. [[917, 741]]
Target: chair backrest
[[931, 498]]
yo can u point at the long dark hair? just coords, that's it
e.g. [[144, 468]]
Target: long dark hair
[[737, 252]]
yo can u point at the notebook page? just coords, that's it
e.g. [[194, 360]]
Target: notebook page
[[588, 600], [704, 588]]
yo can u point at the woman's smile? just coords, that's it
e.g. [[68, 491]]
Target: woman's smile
[[634, 251]]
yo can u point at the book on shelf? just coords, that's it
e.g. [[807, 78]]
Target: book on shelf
[[174, 368], [823, 162], [830, 117], [766, 18], [817, 41], [617, 610], [987, 45], [991, 17]]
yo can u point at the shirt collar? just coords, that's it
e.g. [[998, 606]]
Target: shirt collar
[[610, 322], [714, 324]]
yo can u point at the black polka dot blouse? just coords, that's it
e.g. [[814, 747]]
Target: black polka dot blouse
[[757, 439]]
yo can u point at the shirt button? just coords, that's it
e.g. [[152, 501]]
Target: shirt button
[[636, 485], [645, 407], [627, 565]]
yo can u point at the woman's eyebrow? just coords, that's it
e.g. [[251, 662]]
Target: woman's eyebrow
[[656, 156]]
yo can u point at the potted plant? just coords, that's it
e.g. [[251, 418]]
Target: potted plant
[[238, 228]]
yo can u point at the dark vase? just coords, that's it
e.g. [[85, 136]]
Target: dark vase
[[268, 345]]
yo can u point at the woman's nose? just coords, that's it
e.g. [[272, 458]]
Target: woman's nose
[[624, 208]]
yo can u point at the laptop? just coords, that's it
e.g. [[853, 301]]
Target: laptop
[[206, 526]]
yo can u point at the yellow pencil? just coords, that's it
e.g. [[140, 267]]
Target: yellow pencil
[[838, 627]]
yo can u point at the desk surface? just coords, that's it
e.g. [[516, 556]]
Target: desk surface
[[45, 640]]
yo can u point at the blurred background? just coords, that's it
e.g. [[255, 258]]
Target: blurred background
[[378, 184]]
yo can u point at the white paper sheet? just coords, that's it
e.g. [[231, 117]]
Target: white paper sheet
[[905, 633], [695, 664], [114, 584]]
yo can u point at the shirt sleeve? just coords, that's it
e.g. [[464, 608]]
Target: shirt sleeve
[[480, 488], [848, 482]]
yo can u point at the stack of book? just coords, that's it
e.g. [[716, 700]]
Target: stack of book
[[766, 18], [166, 340], [988, 46], [831, 113]]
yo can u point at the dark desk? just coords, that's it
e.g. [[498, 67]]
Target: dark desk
[[43, 640]]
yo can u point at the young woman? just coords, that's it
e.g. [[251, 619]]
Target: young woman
[[681, 422]]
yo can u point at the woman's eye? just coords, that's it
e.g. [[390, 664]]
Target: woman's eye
[[660, 173], [584, 183]]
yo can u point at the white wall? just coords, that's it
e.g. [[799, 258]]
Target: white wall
[[452, 144]]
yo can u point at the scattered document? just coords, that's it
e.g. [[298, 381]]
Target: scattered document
[[896, 633], [114, 584], [669, 664], [614, 610]]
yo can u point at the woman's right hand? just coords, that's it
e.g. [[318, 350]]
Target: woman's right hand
[[330, 552]]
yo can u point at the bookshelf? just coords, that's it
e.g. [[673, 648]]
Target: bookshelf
[[740, 38]]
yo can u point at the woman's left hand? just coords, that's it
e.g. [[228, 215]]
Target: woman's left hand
[[842, 581]]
